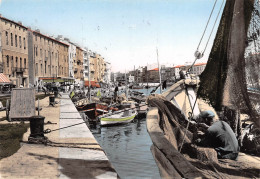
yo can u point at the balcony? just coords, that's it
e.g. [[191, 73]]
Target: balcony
[[18, 69]]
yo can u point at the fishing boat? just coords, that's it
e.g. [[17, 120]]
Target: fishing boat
[[222, 84], [93, 110], [118, 117]]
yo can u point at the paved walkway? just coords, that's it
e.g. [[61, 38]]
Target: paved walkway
[[73, 153]]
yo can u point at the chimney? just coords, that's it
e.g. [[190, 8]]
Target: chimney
[[38, 30], [19, 22]]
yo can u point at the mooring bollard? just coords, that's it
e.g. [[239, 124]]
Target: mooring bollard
[[52, 100], [36, 128]]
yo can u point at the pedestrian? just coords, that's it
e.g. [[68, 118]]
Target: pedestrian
[[115, 93]]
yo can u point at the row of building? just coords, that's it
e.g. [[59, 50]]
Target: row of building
[[146, 75], [30, 58]]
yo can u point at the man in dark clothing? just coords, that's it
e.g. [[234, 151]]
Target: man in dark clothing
[[221, 137], [115, 93]]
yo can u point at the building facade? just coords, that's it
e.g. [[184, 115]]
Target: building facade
[[86, 62], [29, 58], [107, 73], [198, 68], [71, 54], [78, 66], [48, 58], [14, 51]]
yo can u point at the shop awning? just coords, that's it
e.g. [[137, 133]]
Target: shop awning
[[56, 79], [92, 83], [4, 79]]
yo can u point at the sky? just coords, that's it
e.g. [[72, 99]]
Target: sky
[[127, 33]]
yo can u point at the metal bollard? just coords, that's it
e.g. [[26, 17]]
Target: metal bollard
[[36, 127], [52, 100]]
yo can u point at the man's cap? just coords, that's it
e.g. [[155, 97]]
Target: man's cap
[[207, 114]]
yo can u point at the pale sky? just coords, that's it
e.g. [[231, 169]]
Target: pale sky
[[125, 32]]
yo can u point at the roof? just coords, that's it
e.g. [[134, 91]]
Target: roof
[[4, 79], [155, 69], [16, 23], [200, 64], [178, 66], [35, 32]]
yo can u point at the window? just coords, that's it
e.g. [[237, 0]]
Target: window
[[20, 41], [36, 69], [25, 63], [41, 68], [35, 38], [16, 61], [16, 41], [24, 43], [12, 61], [11, 39], [45, 67], [41, 52], [6, 37], [36, 51], [21, 63], [7, 61]]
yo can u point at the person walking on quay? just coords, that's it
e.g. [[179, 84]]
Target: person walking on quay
[[115, 93]]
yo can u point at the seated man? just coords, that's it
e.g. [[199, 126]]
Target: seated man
[[219, 136]]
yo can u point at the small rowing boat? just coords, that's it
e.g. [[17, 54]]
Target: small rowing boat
[[118, 117]]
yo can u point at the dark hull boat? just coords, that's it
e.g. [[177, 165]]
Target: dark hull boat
[[93, 110]]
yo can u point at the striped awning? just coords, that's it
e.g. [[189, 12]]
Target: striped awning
[[4, 79]]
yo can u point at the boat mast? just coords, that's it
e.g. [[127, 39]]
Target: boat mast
[[159, 70], [126, 87], [89, 84], [147, 78]]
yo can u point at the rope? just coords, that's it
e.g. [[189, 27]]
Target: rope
[[48, 142], [207, 24], [190, 116], [213, 27], [198, 55]]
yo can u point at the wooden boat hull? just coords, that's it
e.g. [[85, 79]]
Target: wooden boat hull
[[166, 123], [93, 110], [117, 119]]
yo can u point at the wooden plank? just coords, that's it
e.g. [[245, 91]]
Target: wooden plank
[[22, 103]]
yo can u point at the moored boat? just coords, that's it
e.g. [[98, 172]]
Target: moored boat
[[118, 117], [93, 110], [173, 149]]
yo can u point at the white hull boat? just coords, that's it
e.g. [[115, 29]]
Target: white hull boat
[[118, 117]]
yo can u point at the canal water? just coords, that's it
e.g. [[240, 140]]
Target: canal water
[[128, 149]]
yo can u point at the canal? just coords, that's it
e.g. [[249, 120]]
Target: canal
[[128, 149]]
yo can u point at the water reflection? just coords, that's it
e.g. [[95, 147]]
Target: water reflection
[[128, 148]]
